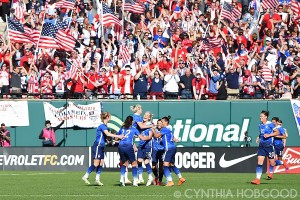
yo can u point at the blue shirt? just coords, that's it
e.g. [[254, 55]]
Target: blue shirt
[[167, 138], [137, 118], [266, 128], [146, 143], [129, 135], [157, 144], [278, 141], [100, 137]]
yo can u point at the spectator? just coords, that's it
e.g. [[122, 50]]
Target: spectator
[[199, 87], [157, 83], [232, 78], [46, 86], [126, 83], [185, 85], [4, 80], [78, 85], [248, 84], [48, 134], [171, 84], [141, 83], [15, 80], [4, 136]]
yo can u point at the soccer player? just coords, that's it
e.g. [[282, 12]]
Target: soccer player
[[278, 146], [170, 150], [285, 132], [98, 148], [157, 153], [126, 149], [145, 149], [267, 132], [139, 125]]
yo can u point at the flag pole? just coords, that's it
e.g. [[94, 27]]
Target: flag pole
[[123, 21], [8, 33], [102, 27], [219, 20], [37, 45]]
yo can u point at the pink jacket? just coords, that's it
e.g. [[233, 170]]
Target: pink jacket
[[49, 134], [5, 143]]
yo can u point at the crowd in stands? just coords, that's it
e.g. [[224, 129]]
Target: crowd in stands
[[177, 49]]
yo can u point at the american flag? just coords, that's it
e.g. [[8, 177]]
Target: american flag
[[227, 12], [269, 4], [71, 69], [17, 32], [295, 8], [210, 43], [61, 24], [19, 10], [53, 37], [109, 17], [134, 7], [186, 11], [236, 12], [124, 53], [67, 4]]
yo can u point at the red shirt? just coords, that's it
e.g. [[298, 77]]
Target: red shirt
[[78, 85], [198, 84], [103, 88], [164, 65], [267, 18], [181, 51], [91, 78], [47, 90]]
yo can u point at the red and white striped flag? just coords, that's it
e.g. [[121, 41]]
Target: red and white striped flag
[[236, 12], [19, 10], [17, 32], [227, 12], [269, 4], [124, 54], [186, 11], [67, 4], [55, 38], [109, 17], [295, 8], [134, 7]]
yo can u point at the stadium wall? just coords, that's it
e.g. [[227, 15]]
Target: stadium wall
[[196, 123]]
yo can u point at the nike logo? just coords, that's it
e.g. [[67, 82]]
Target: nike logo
[[228, 163]]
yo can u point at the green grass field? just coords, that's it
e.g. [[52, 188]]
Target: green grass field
[[68, 185]]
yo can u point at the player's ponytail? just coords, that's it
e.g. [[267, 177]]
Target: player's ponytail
[[167, 119], [104, 116], [128, 122], [135, 108]]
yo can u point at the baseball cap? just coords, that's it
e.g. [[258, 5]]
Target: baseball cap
[[47, 122], [268, 39], [247, 72]]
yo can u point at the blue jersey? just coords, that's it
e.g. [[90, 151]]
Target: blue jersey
[[157, 144], [129, 135], [136, 119], [101, 137], [167, 138], [266, 128], [146, 143], [278, 141]]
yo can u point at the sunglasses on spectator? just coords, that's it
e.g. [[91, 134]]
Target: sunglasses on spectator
[[159, 31], [94, 63], [181, 63], [155, 73], [128, 70]]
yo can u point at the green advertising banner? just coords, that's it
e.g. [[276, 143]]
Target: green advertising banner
[[195, 123]]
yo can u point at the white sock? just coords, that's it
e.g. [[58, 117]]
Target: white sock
[[126, 175], [122, 178], [150, 176], [97, 176], [86, 175], [140, 176], [179, 175]]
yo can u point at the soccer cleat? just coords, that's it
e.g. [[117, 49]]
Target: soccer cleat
[[170, 184], [256, 181], [128, 181], [141, 181], [270, 176], [181, 181], [149, 182], [159, 183], [155, 181], [98, 183], [122, 184], [286, 166], [135, 184], [86, 180]]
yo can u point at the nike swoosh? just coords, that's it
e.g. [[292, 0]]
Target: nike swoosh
[[228, 163]]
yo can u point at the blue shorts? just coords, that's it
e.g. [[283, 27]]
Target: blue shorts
[[144, 153], [279, 150], [127, 153], [157, 156], [266, 151], [169, 155], [98, 152]]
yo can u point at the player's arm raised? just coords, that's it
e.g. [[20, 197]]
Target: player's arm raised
[[109, 134]]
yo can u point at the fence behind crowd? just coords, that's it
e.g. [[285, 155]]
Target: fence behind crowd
[[196, 124], [216, 159]]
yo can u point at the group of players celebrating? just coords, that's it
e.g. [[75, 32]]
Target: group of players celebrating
[[157, 145], [271, 140]]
